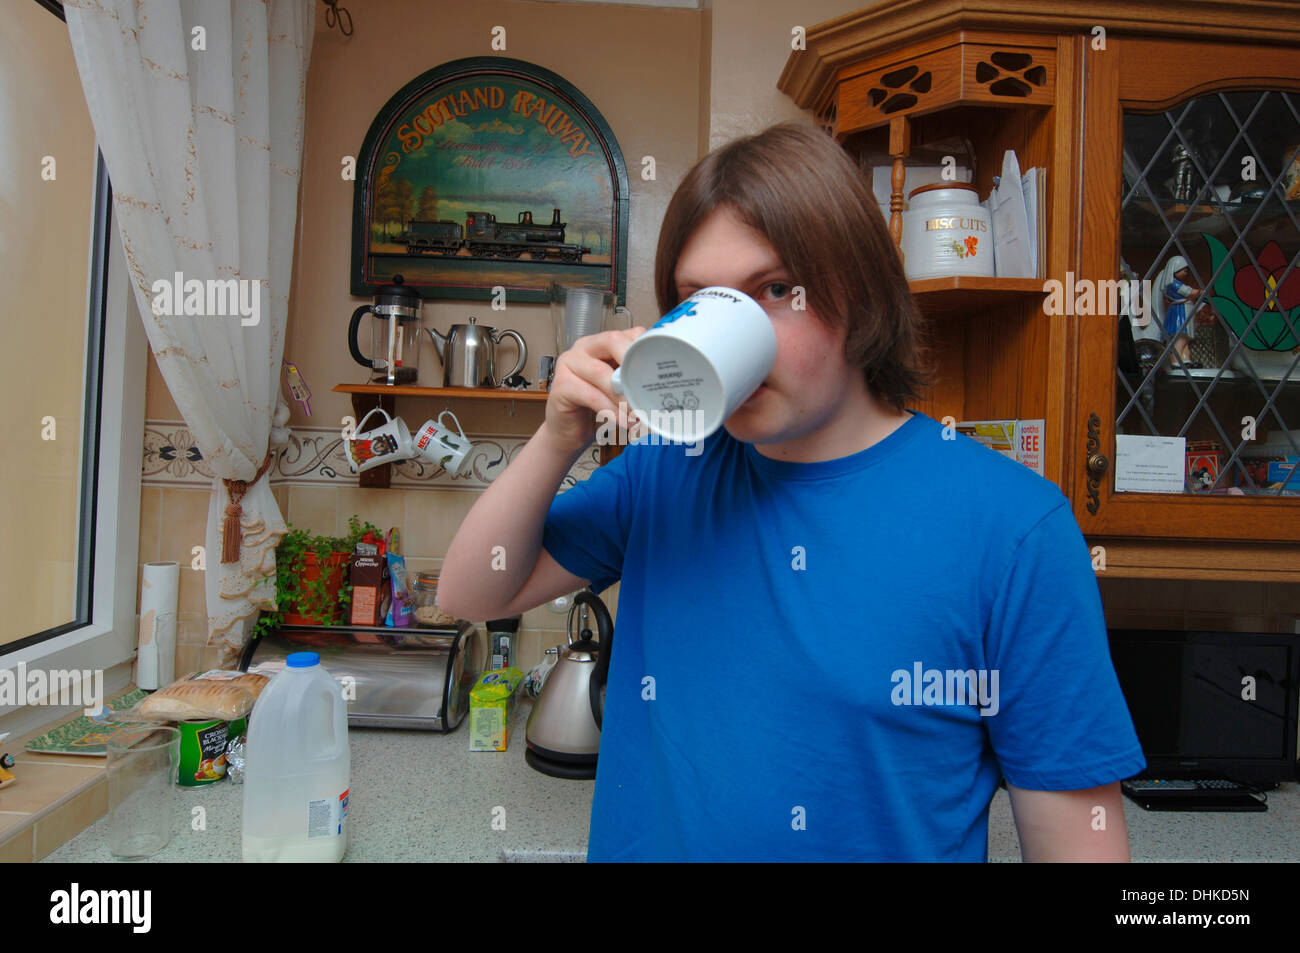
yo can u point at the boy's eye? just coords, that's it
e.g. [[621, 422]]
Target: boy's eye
[[777, 289]]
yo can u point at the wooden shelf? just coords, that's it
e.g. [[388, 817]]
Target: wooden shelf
[[961, 293], [465, 393]]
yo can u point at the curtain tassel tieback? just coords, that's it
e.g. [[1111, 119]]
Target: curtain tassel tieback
[[230, 530]]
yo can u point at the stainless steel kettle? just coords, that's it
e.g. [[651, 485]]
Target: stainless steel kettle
[[468, 353], [563, 732]]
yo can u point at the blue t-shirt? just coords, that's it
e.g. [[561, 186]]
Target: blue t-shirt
[[803, 650]]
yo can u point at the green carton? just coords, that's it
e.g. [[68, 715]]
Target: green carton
[[490, 703]]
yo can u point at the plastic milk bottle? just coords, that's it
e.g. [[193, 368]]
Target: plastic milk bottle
[[297, 768]]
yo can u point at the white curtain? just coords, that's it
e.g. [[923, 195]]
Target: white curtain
[[198, 109]]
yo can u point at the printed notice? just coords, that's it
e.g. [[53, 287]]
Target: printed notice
[[1149, 464]]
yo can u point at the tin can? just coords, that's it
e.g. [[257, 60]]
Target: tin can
[[203, 749]]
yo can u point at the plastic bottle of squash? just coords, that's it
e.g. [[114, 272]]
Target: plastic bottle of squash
[[297, 771]]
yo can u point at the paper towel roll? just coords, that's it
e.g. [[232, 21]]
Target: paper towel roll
[[155, 665]]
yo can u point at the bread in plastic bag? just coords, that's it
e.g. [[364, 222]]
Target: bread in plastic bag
[[213, 694]]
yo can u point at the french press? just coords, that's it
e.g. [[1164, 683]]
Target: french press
[[395, 334]]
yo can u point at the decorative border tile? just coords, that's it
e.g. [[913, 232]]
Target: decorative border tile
[[315, 457]]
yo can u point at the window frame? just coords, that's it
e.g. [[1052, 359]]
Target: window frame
[[112, 446]]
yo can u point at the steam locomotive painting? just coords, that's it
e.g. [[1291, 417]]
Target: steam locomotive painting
[[484, 237]]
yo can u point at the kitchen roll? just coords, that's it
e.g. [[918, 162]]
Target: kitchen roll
[[155, 665]]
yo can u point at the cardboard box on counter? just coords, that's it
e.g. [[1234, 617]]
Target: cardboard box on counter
[[491, 701], [370, 591]]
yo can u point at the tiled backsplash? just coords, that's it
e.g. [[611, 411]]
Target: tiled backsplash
[[315, 458]]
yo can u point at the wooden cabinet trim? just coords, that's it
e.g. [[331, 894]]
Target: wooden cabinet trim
[[1132, 558], [1158, 74], [862, 35]]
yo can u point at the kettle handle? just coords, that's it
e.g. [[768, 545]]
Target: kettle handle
[[523, 352], [353, 326], [599, 676]]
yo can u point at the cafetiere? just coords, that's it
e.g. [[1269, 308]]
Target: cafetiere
[[395, 334]]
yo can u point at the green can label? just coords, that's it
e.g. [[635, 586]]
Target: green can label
[[203, 750]]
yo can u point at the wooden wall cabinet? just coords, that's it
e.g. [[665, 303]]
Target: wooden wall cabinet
[[1079, 88]]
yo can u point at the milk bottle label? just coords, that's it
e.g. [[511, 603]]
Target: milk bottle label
[[326, 817]]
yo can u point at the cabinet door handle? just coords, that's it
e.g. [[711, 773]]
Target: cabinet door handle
[[1096, 464]]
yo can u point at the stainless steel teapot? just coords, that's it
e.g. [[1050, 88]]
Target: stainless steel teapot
[[468, 354]]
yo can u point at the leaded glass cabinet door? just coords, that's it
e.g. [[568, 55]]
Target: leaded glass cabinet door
[[1209, 323], [1187, 415]]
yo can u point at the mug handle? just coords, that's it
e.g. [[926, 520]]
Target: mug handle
[[459, 430], [359, 428], [616, 381]]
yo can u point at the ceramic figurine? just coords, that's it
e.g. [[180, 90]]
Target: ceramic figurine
[[1179, 303], [1136, 321], [1181, 185], [1132, 306]]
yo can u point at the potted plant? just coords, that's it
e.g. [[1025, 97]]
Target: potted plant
[[311, 577]]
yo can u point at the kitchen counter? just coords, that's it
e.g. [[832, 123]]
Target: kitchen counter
[[423, 796], [416, 796]]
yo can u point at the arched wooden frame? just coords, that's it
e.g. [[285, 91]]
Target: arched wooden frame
[[567, 116]]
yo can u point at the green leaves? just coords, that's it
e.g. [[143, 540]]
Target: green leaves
[[311, 597], [1270, 331]]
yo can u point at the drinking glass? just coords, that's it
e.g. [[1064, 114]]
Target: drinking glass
[[577, 312], [143, 760]]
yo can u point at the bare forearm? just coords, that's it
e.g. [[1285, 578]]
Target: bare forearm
[[497, 545], [1065, 826]]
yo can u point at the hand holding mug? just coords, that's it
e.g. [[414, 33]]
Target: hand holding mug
[[582, 387]]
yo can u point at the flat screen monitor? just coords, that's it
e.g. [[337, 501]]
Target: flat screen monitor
[[1211, 704]]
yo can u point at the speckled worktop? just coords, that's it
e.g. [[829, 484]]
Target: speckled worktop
[[423, 796], [416, 796]]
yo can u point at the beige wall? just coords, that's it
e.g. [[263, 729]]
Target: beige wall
[[45, 229], [751, 43]]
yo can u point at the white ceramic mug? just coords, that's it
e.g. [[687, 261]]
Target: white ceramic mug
[[686, 375], [445, 447], [387, 444]]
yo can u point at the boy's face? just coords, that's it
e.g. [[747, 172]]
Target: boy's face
[[810, 378]]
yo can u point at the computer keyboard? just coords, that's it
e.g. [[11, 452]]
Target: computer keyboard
[[1213, 787]]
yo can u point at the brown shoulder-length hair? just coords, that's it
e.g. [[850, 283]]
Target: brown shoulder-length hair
[[797, 187]]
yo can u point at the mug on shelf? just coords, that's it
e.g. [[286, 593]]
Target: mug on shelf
[[448, 448], [389, 443]]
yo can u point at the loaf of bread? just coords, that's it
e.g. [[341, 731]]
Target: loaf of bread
[[214, 694]]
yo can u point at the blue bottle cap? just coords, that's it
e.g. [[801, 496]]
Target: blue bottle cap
[[302, 660]]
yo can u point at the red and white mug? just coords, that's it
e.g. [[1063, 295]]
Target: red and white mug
[[448, 448]]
